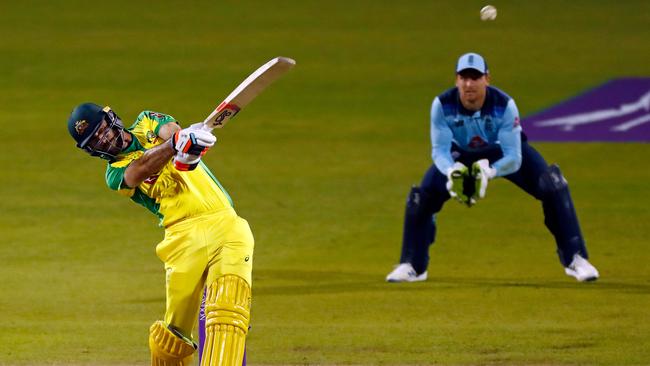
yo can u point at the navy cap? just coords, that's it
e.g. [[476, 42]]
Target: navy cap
[[472, 61]]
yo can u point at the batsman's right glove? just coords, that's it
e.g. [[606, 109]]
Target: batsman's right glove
[[192, 140], [190, 145], [455, 176]]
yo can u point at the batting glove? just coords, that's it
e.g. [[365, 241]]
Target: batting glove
[[190, 145], [199, 126], [482, 173], [193, 140], [455, 176], [186, 162]]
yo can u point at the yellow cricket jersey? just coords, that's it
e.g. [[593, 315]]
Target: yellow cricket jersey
[[170, 194]]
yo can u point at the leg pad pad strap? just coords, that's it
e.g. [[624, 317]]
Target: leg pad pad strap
[[227, 315]]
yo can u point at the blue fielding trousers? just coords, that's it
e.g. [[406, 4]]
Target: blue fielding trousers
[[535, 177]]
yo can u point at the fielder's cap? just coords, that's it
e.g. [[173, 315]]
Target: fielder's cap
[[472, 61], [84, 120]]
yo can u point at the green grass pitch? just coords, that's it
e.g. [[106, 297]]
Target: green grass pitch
[[320, 165]]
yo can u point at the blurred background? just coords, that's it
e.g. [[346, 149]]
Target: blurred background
[[320, 165]]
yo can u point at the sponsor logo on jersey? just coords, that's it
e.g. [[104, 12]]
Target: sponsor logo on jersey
[[157, 115]]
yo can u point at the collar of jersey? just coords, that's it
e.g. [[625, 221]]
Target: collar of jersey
[[133, 146], [466, 112], [481, 112]]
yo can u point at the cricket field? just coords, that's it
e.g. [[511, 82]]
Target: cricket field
[[320, 165]]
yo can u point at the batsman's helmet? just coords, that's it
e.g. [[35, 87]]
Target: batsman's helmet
[[84, 122]]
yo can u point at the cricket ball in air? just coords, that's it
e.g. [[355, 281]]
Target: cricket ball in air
[[488, 12]]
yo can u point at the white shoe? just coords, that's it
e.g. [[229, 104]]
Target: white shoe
[[581, 269], [404, 272]]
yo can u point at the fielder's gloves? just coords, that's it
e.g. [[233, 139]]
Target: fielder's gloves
[[482, 173], [455, 176]]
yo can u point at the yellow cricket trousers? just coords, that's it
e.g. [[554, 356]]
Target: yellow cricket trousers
[[196, 251]]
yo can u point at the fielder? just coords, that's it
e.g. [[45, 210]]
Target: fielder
[[476, 137], [158, 165]]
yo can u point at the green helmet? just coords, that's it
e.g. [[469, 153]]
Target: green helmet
[[83, 124]]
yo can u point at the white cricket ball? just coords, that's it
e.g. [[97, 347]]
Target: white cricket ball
[[488, 12]]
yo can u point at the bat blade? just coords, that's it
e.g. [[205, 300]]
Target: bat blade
[[250, 88]]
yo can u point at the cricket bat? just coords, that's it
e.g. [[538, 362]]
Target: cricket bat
[[250, 88]]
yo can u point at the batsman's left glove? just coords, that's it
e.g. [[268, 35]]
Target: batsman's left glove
[[186, 162], [482, 173]]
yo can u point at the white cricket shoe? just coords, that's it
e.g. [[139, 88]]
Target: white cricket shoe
[[581, 269], [404, 272]]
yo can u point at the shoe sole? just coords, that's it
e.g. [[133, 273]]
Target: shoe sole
[[400, 281], [575, 275], [417, 279], [404, 281]]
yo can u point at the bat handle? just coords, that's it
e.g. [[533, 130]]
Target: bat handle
[[207, 127]]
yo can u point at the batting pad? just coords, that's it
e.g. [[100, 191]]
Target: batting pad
[[167, 349], [227, 313]]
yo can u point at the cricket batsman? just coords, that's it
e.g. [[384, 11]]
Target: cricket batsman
[[157, 164], [476, 138]]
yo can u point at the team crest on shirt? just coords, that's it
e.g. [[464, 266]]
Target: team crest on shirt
[[80, 126], [477, 142], [151, 137]]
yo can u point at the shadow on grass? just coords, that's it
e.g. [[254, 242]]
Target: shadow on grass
[[315, 282]]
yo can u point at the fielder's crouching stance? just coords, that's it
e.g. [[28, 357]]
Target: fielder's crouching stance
[[476, 137], [158, 165]]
